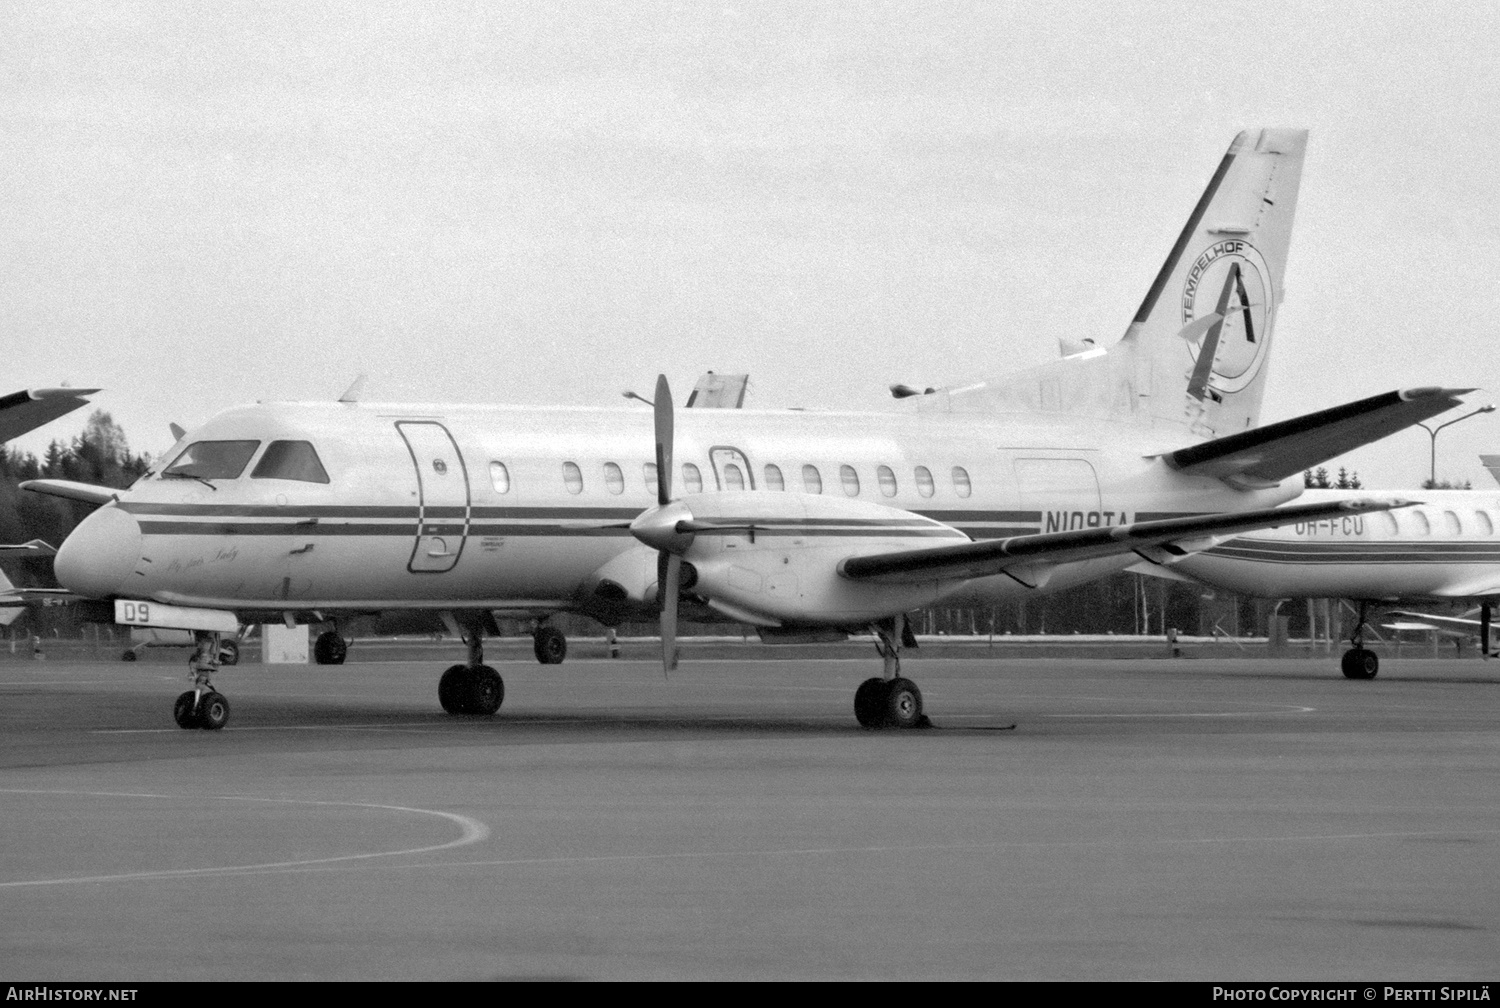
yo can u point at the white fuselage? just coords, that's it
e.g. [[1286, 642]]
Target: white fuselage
[[1446, 547], [521, 508]]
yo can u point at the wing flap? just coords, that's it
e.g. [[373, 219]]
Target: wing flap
[[1175, 536], [1267, 455]]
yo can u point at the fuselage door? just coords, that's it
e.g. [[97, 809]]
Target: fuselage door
[[1064, 491], [731, 468], [443, 492]]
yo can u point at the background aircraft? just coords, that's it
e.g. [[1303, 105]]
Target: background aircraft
[[806, 525], [1446, 548]]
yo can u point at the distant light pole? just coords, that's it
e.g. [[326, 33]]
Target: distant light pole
[[1432, 433]]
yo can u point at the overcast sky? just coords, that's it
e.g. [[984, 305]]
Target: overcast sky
[[204, 204]]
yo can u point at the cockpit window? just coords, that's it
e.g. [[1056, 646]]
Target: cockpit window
[[212, 460], [290, 460]]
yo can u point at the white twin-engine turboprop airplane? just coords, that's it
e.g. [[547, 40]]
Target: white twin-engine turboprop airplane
[[1445, 549], [803, 524]]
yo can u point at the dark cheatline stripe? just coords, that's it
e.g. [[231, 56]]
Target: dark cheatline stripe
[[277, 529], [1145, 516], [1034, 517], [1363, 554], [269, 511], [996, 531]]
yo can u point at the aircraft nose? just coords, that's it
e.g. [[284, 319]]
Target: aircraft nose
[[99, 554]]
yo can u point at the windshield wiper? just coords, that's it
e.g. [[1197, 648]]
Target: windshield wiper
[[187, 475]]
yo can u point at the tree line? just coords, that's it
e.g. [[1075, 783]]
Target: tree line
[[100, 455]]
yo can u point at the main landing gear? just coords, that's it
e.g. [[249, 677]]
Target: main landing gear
[[330, 648], [1359, 662], [203, 706], [474, 688], [890, 701], [550, 645]]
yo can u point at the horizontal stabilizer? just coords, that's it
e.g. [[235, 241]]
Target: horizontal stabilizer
[[86, 492], [1491, 463], [1267, 455], [27, 410], [34, 548], [1175, 536]]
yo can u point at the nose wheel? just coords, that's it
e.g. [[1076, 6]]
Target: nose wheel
[[203, 706]]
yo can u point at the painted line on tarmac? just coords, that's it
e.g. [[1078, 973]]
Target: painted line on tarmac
[[473, 831], [583, 859]]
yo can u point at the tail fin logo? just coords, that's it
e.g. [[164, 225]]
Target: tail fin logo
[[1231, 282]]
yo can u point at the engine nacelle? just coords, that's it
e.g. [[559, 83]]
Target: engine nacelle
[[771, 559]]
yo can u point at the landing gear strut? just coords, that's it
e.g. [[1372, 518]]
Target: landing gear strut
[[473, 688], [890, 701], [1359, 662], [203, 706]]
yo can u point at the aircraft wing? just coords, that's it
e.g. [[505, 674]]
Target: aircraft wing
[[35, 548], [69, 490], [1025, 556], [1264, 456], [1448, 624], [30, 408]]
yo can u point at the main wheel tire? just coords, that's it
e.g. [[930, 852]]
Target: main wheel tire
[[903, 704], [486, 691], [1360, 663], [213, 711], [129, 655], [869, 703], [453, 689], [330, 648], [185, 710], [550, 645], [229, 653]]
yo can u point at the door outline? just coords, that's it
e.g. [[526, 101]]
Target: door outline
[[432, 552], [718, 455]]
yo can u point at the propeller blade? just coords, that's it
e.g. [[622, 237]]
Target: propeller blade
[[663, 412], [670, 587]]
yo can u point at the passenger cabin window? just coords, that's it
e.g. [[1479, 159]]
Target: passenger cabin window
[[290, 460], [692, 478], [850, 480], [774, 479], [961, 484], [648, 472], [614, 479], [1385, 524], [925, 485], [499, 477], [1419, 523], [1483, 523], [812, 480], [573, 477], [212, 460], [887, 480], [734, 479], [1450, 525]]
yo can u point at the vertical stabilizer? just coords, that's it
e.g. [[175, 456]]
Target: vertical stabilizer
[[1196, 354], [1202, 336]]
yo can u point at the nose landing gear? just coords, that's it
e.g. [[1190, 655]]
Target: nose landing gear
[[203, 706]]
